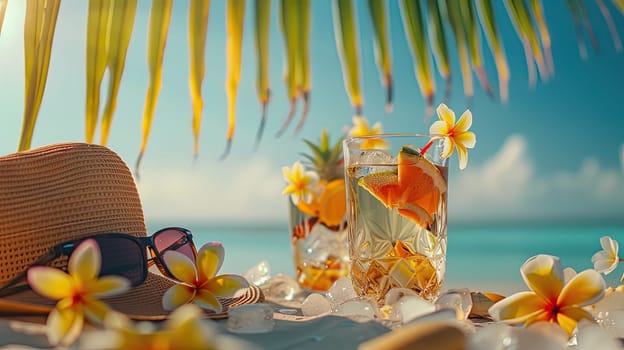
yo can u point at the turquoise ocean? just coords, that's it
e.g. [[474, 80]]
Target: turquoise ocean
[[481, 258]]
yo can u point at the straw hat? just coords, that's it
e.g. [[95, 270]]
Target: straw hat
[[66, 191]]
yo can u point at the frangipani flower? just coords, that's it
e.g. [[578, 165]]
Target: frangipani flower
[[607, 259], [184, 329], [550, 298], [198, 281], [361, 128], [454, 135], [76, 292], [299, 182]]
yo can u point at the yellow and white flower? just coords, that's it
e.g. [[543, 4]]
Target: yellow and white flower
[[300, 182], [198, 283], [455, 135], [76, 291], [551, 298], [607, 259], [361, 127], [183, 329]]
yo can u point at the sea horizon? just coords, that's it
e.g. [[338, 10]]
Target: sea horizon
[[479, 257]]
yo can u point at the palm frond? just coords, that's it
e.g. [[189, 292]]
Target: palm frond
[[118, 39], [379, 18], [574, 11], [455, 20], [235, 21], [289, 25], [412, 15], [198, 28], [347, 43], [540, 18], [98, 23], [587, 25], [619, 4], [490, 27], [439, 44], [160, 17], [474, 44], [303, 56], [262, 20], [39, 26]]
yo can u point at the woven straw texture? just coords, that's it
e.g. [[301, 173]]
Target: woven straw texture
[[62, 192], [56, 193]]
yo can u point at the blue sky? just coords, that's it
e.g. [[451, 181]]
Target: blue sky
[[554, 152]]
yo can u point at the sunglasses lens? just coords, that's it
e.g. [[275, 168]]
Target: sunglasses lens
[[122, 257], [176, 240]]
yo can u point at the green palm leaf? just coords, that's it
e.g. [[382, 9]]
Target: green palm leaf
[[522, 21], [574, 11], [346, 31], [234, 44], [120, 32], [439, 44], [160, 17], [474, 44], [540, 18], [411, 12], [490, 27], [39, 26], [303, 56], [262, 21], [289, 25], [379, 17], [98, 23], [198, 27], [455, 20], [586, 24]]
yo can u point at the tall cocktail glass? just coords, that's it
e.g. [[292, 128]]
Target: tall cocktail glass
[[396, 210]]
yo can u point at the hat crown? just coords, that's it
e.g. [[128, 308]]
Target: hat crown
[[62, 192]]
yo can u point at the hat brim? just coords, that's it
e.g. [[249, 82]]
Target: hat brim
[[143, 302]]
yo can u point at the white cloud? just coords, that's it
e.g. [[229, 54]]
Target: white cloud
[[223, 191], [506, 187]]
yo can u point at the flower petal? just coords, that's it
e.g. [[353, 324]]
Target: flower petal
[[206, 300], [446, 115], [583, 289], [604, 263], [544, 275], [517, 308], [177, 295], [109, 285], [286, 173], [467, 139], [569, 317], [226, 285], [448, 146], [64, 326], [50, 282], [209, 260], [85, 262], [462, 153], [95, 310], [609, 245], [181, 267], [464, 123], [438, 128]]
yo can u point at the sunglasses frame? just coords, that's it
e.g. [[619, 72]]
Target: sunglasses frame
[[144, 243]]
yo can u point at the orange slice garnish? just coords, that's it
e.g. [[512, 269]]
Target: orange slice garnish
[[415, 191], [333, 203]]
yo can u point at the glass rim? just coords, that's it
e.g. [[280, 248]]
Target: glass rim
[[350, 139]]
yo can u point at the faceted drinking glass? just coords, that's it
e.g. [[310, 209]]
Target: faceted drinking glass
[[396, 211]]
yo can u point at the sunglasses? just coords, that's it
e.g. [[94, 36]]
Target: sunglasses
[[122, 255]]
